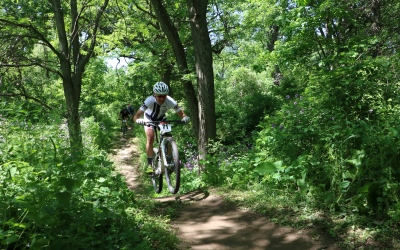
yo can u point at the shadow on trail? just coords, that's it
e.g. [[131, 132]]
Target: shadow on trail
[[119, 141], [127, 160], [215, 224], [196, 195], [208, 222]]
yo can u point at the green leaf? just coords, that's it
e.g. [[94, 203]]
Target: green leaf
[[20, 225], [344, 184], [278, 164], [348, 174], [276, 176], [302, 185], [63, 198], [68, 183], [265, 168], [39, 243], [81, 229], [91, 175], [394, 132], [13, 170], [365, 188], [10, 239]]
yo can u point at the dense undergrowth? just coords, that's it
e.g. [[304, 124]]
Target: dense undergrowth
[[52, 200], [306, 102], [322, 161], [238, 179]]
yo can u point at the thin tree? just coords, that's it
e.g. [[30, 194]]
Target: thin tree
[[76, 44], [204, 71], [205, 113]]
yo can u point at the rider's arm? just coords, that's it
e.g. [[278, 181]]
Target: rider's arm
[[139, 113], [181, 113]]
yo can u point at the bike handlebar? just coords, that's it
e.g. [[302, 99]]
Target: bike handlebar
[[154, 123]]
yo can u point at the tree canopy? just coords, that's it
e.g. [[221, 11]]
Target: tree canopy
[[298, 97]]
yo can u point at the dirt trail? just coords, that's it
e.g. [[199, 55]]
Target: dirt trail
[[208, 223]]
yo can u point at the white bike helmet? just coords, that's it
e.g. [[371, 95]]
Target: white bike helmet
[[160, 88]]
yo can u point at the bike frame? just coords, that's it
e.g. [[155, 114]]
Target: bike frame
[[166, 143], [124, 127], [166, 131]]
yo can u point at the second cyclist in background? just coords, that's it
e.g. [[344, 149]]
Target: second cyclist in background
[[154, 109], [131, 110], [123, 114]]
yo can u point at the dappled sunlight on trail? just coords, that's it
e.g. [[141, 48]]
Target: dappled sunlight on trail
[[127, 162], [206, 222], [212, 224]]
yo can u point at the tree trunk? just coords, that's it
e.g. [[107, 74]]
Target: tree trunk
[[72, 65], [72, 89], [204, 72], [173, 37]]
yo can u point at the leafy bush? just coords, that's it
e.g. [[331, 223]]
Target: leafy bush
[[346, 136], [52, 200], [241, 102]]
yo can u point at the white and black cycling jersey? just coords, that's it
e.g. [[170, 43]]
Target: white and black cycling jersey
[[156, 112]]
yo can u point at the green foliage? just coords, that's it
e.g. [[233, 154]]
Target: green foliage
[[344, 133], [49, 199], [330, 138], [229, 165], [241, 101], [307, 101]]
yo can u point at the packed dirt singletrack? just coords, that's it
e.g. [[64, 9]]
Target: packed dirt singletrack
[[207, 222]]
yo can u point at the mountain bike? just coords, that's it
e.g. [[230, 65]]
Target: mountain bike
[[166, 157], [124, 127]]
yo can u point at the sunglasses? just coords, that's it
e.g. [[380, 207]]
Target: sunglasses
[[161, 96]]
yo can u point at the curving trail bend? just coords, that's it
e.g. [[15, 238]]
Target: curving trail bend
[[206, 222]]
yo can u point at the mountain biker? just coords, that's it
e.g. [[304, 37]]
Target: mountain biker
[[124, 114], [131, 110], [154, 109]]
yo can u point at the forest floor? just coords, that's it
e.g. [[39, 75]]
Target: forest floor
[[207, 221]]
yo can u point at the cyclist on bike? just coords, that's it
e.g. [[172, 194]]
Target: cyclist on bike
[[130, 109], [154, 109], [131, 112], [124, 114]]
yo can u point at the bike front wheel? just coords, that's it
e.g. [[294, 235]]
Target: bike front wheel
[[172, 173], [124, 129], [156, 176]]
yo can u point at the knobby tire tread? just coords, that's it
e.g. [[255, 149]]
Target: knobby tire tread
[[156, 180], [173, 176]]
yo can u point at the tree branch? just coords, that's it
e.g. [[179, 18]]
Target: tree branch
[[39, 37], [28, 97], [95, 29]]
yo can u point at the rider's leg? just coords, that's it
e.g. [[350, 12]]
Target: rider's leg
[[149, 144]]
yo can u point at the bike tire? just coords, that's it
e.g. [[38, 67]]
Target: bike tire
[[172, 174], [124, 129], [156, 179]]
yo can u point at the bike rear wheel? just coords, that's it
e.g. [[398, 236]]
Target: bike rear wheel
[[156, 176], [173, 173], [124, 129]]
